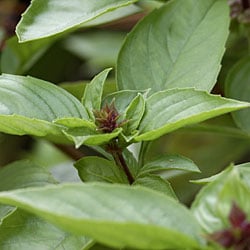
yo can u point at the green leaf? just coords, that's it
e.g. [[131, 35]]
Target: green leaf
[[130, 213], [18, 58], [39, 20], [24, 231], [213, 203], [83, 135], [171, 109], [237, 87], [33, 107], [94, 168], [178, 45], [37, 99], [21, 125], [134, 113], [169, 162], [156, 183], [92, 97], [74, 122]]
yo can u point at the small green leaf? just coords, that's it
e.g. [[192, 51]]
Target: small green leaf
[[175, 46], [83, 135], [156, 183], [168, 162], [39, 20], [134, 113], [131, 214], [24, 231], [171, 109], [237, 87], [92, 97], [94, 168], [74, 122]]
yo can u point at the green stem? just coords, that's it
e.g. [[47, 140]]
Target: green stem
[[116, 152]]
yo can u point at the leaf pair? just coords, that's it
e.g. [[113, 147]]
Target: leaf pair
[[41, 109]]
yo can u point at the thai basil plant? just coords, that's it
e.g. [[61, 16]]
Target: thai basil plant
[[184, 62]]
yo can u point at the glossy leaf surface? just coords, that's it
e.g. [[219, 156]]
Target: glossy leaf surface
[[178, 45], [38, 99], [171, 109], [92, 98], [49, 17], [130, 214], [34, 105]]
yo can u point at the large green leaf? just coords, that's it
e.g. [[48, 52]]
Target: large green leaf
[[49, 17], [130, 214], [29, 105], [178, 45], [94, 168], [175, 108], [92, 97], [24, 231], [238, 87], [34, 98]]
